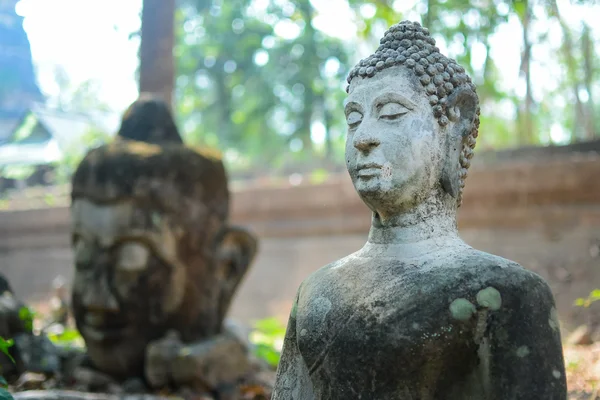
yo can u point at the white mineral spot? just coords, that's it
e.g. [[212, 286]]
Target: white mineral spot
[[556, 374], [415, 325]]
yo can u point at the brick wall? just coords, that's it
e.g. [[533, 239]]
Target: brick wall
[[542, 211]]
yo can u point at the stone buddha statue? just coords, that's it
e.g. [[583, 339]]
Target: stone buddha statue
[[155, 257], [417, 313]]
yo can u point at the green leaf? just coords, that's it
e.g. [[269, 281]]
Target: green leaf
[[27, 315], [5, 395], [580, 302], [5, 344]]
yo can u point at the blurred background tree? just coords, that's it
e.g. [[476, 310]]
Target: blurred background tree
[[260, 80], [264, 80]]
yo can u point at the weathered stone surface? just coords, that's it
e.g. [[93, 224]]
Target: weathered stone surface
[[149, 120], [417, 313], [153, 248], [206, 365], [218, 361]]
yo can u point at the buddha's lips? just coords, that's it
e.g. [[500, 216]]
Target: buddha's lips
[[368, 170], [370, 165]]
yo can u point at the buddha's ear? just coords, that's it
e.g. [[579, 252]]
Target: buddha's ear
[[461, 110], [237, 248], [236, 251]]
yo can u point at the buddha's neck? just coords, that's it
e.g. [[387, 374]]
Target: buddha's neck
[[431, 220]]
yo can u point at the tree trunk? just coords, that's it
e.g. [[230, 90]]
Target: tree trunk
[[572, 71], [157, 68], [428, 18], [527, 114], [588, 65], [308, 40]]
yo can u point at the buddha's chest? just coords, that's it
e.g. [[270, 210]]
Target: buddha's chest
[[383, 332]]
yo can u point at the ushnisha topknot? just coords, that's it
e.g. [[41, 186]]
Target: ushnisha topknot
[[410, 45]]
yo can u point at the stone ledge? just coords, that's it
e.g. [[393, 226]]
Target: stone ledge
[[555, 193]]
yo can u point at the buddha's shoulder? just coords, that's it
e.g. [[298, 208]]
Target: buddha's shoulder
[[332, 272], [492, 269]]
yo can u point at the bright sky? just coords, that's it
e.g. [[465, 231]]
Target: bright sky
[[89, 39]]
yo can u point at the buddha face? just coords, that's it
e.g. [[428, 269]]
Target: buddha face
[[393, 147], [129, 282]]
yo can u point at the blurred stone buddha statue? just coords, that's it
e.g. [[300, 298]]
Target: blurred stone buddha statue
[[155, 256], [417, 313]]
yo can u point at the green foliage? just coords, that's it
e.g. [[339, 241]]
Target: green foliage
[[68, 338], [586, 302], [272, 98], [25, 130], [267, 338], [5, 344], [17, 172], [27, 315]]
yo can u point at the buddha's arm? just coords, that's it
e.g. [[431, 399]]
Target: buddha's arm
[[293, 381], [524, 345]]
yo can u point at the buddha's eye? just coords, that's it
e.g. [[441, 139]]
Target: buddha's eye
[[132, 257], [392, 111], [354, 118]]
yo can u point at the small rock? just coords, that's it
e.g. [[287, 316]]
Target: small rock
[[37, 353], [30, 381], [214, 363], [134, 385], [581, 336], [92, 380], [113, 388], [159, 356]]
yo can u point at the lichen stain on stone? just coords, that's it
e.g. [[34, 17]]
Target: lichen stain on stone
[[556, 374], [462, 309], [523, 351], [553, 320], [386, 171], [321, 307], [489, 298]]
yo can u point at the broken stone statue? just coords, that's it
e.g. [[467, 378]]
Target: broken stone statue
[[157, 263], [417, 313]]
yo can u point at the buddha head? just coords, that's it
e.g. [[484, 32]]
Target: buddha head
[[153, 250], [413, 120]]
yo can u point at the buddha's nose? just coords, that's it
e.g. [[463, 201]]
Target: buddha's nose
[[366, 142], [98, 297]]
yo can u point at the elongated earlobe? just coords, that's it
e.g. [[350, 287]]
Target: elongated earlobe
[[237, 249], [462, 107]]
